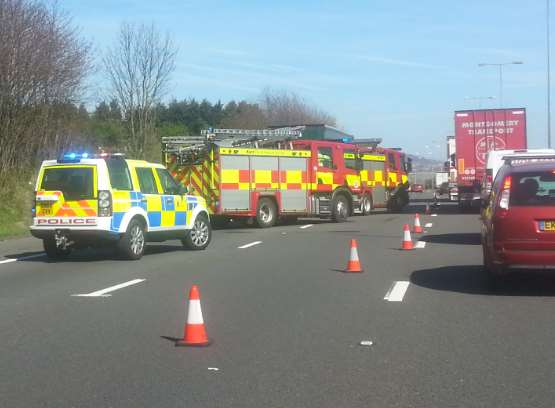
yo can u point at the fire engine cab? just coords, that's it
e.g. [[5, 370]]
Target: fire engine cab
[[267, 174]]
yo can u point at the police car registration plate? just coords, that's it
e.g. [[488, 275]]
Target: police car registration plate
[[45, 210]]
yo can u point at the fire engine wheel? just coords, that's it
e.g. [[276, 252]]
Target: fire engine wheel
[[340, 208], [200, 235], [132, 244], [366, 205], [53, 251], [266, 212]]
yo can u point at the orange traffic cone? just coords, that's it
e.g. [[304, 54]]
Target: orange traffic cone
[[194, 332], [417, 227], [407, 240], [354, 264]]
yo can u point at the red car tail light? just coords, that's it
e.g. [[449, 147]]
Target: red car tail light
[[505, 196]]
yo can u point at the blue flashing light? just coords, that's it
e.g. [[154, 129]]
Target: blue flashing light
[[73, 157]]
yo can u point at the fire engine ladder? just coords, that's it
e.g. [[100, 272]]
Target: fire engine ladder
[[252, 137]]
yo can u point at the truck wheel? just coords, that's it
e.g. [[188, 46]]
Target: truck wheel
[[132, 244], [200, 235], [53, 251], [266, 212], [339, 208], [366, 205]]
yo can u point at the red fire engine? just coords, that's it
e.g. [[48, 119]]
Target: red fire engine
[[268, 174]]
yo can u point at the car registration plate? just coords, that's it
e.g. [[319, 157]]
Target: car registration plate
[[45, 210], [548, 226]]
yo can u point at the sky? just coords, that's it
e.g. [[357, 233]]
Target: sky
[[390, 69]]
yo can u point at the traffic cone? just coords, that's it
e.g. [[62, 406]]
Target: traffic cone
[[354, 264], [194, 332], [417, 227], [407, 240]]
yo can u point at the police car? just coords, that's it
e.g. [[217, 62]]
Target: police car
[[86, 200]]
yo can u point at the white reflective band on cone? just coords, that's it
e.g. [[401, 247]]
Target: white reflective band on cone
[[194, 315], [354, 254], [407, 236]]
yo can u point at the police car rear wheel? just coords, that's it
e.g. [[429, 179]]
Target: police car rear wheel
[[132, 243], [53, 251], [200, 235]]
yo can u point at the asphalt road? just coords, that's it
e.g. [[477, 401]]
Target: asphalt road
[[286, 323]]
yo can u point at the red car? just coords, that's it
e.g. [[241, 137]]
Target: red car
[[518, 218], [417, 188]]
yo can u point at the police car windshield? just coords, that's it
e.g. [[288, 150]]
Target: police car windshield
[[76, 183]]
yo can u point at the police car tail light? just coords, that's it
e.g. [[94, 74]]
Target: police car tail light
[[505, 196], [104, 203]]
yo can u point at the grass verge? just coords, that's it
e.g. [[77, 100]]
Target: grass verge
[[15, 210]]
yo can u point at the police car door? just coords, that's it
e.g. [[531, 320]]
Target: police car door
[[151, 200], [174, 205]]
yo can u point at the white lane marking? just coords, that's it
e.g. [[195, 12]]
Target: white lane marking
[[104, 292], [20, 259], [249, 245], [397, 291], [428, 225], [213, 369], [434, 215], [306, 226], [420, 245]]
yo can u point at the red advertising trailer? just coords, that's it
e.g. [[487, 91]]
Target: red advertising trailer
[[476, 133]]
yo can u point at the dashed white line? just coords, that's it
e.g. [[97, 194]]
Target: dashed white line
[[397, 291], [434, 215], [306, 226], [249, 244], [104, 292], [420, 245], [428, 225], [20, 259]]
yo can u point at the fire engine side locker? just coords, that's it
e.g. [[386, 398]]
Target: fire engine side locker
[[376, 172], [234, 187], [293, 186]]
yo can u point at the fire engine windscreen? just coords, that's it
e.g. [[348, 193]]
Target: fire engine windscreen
[[76, 183]]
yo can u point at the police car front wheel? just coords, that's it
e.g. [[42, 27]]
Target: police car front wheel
[[132, 243], [200, 235]]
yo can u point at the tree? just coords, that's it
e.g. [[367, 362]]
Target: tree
[[284, 108], [139, 67], [43, 62]]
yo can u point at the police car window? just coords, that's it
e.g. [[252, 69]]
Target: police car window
[[349, 158], [76, 183], [120, 179], [146, 180], [169, 185], [325, 157]]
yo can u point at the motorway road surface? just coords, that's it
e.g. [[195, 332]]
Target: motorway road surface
[[286, 323]]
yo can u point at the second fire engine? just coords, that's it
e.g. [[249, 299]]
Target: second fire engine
[[269, 174]]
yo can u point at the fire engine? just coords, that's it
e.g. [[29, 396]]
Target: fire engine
[[268, 174]]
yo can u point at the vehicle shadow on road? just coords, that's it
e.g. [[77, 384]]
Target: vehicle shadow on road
[[94, 255], [471, 279], [466, 238]]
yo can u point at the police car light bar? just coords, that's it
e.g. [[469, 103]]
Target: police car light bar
[[73, 157]]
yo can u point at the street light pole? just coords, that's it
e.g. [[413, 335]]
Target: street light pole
[[500, 66], [548, 77]]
